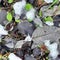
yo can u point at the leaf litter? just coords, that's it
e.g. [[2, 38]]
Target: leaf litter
[[18, 21]]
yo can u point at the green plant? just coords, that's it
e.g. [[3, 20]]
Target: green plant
[[10, 1], [54, 2], [9, 16], [28, 6], [48, 18], [40, 13], [17, 21]]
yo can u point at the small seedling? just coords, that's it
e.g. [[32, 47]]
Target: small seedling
[[9, 17], [17, 21], [28, 7], [54, 2], [40, 13], [10, 1], [48, 18]]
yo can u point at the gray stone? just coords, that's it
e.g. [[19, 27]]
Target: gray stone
[[10, 42], [2, 16], [28, 57], [51, 33], [25, 28]]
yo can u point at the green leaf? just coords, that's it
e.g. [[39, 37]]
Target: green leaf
[[54, 2], [40, 13], [9, 17], [29, 20], [10, 1], [17, 21], [48, 18], [28, 6]]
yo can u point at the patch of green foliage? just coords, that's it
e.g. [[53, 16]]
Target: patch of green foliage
[[10, 1], [54, 2], [28, 6], [9, 17], [40, 13], [48, 18]]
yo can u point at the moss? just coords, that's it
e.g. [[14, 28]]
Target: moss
[[53, 3]]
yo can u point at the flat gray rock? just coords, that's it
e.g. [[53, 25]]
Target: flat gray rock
[[45, 33], [27, 57], [25, 28], [10, 42], [2, 16]]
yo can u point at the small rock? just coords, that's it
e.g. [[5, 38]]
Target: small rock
[[12, 56], [52, 48], [36, 52], [10, 42], [30, 1], [28, 57], [25, 28], [49, 12], [57, 21], [3, 31], [19, 44]]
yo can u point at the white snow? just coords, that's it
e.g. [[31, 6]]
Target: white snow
[[38, 21], [47, 42], [11, 44], [52, 48], [31, 14], [19, 6], [48, 1], [28, 38], [49, 23]]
